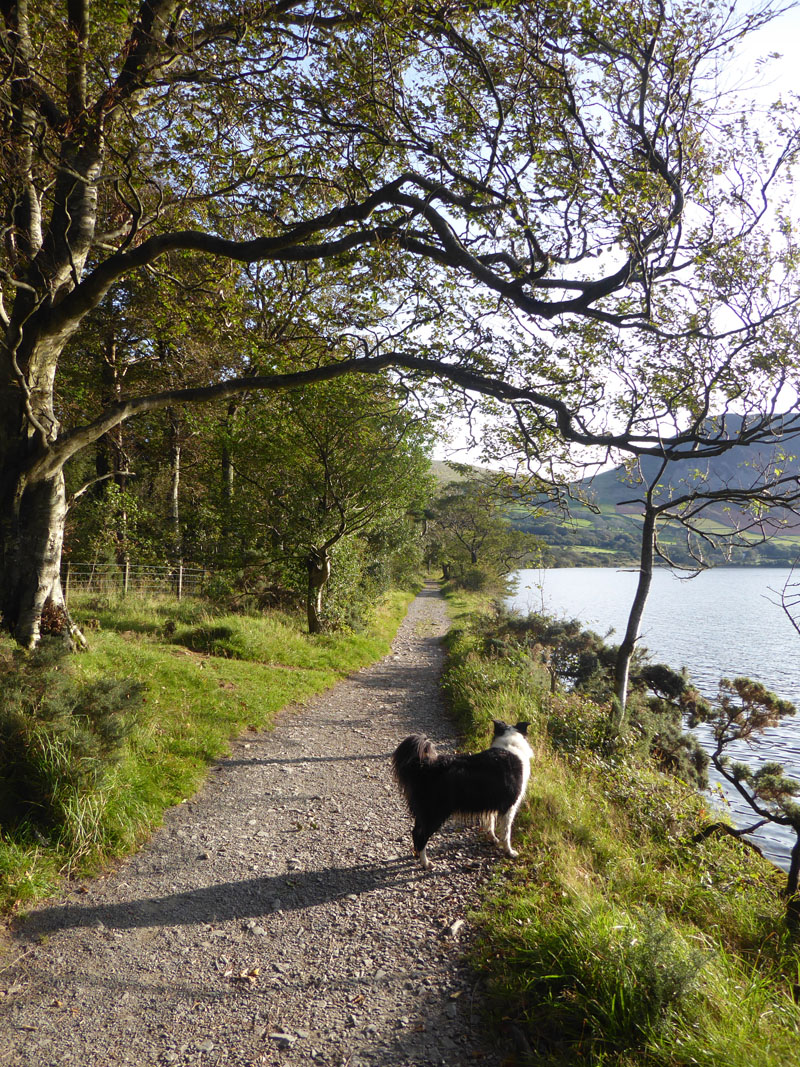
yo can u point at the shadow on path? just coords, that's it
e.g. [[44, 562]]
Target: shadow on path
[[252, 898], [281, 761]]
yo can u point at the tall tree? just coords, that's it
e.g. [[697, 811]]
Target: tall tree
[[733, 460], [762, 499], [562, 161], [474, 531], [318, 467]]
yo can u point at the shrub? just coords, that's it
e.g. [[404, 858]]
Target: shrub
[[475, 580], [605, 977], [59, 740], [581, 662], [622, 976], [617, 937], [216, 640]]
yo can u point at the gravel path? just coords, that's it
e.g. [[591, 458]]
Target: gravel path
[[278, 917]]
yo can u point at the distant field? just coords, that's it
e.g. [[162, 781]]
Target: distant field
[[612, 533], [616, 535]]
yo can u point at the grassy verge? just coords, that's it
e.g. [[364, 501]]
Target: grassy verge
[[207, 677], [615, 938]]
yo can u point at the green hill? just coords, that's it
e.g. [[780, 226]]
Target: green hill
[[607, 530], [445, 473]]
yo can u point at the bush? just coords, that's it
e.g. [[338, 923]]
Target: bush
[[351, 593], [603, 977], [478, 580], [474, 580], [617, 937], [216, 640], [59, 739], [582, 663]]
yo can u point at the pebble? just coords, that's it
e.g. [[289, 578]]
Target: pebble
[[283, 1040]]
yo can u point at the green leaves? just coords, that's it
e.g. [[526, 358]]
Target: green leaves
[[745, 708], [59, 742], [317, 469]]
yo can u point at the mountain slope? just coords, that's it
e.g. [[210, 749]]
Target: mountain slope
[[610, 534]]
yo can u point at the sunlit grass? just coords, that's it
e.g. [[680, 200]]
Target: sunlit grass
[[208, 678], [615, 938]]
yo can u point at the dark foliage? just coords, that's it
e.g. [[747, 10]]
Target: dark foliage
[[58, 736], [660, 698]]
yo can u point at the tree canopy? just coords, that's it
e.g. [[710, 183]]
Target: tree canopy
[[548, 202], [471, 535], [318, 468]]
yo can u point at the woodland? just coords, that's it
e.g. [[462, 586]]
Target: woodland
[[230, 229]]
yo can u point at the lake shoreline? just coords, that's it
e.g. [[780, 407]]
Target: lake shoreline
[[717, 624]]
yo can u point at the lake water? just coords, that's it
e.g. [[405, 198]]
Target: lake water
[[720, 624]]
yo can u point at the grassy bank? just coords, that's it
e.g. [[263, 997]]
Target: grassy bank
[[615, 938], [206, 678]]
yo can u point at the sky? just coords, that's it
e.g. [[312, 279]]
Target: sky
[[782, 36]]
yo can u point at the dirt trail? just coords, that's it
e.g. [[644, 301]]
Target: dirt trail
[[278, 917]]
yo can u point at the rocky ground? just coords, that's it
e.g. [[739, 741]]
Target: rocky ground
[[278, 917]]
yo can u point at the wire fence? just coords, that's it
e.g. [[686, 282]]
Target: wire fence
[[177, 579]]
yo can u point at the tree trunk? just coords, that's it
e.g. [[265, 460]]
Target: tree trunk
[[628, 645], [33, 505], [319, 571], [175, 483], [227, 486], [47, 265], [792, 895], [31, 539]]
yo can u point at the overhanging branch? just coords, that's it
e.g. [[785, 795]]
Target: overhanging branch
[[565, 421]]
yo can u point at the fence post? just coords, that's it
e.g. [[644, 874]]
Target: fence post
[[126, 576], [180, 579]]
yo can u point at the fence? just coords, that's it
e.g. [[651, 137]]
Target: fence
[[175, 580]]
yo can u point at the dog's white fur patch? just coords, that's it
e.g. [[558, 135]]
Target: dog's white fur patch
[[512, 741]]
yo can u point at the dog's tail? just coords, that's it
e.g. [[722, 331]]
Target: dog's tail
[[409, 759]]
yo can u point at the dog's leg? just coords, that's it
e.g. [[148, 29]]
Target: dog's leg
[[491, 822], [420, 835], [505, 822], [502, 830]]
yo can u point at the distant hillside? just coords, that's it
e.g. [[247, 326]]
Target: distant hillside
[[737, 468], [612, 535], [444, 473]]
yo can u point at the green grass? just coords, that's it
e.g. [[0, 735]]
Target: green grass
[[615, 938], [209, 677]]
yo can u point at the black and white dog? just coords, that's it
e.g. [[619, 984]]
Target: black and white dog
[[490, 785]]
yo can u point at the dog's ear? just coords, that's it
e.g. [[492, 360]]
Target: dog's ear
[[500, 727], [522, 727]]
